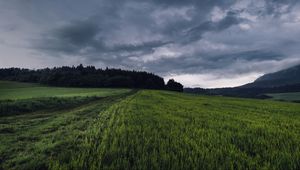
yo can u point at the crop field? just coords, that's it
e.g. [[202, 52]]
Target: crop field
[[286, 96], [164, 130], [14, 90], [151, 129]]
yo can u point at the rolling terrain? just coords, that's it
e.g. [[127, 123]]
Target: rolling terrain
[[289, 76], [152, 129], [293, 97], [286, 81]]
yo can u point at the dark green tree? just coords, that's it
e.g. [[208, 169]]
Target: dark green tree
[[174, 86]]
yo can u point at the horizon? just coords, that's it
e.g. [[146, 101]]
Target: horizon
[[202, 44], [165, 79]]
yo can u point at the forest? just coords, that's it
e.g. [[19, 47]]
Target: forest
[[89, 76]]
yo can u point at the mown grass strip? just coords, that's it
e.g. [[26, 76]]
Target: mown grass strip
[[34, 140], [14, 107]]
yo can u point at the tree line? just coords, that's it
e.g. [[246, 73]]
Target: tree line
[[89, 76]]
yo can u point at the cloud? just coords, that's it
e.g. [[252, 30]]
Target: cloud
[[195, 33], [78, 33], [213, 81], [231, 63], [210, 39], [71, 38]]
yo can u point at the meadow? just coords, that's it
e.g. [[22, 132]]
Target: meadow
[[294, 97], [151, 129], [167, 130], [17, 98], [16, 90]]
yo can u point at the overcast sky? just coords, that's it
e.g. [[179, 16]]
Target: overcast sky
[[205, 43]]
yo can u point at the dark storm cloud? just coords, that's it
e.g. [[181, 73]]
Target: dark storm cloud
[[78, 33], [145, 46], [82, 34], [279, 7], [161, 36], [70, 38], [193, 64], [86, 38], [90, 34], [196, 33]]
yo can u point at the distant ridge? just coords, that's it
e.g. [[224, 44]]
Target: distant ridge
[[284, 77], [283, 81]]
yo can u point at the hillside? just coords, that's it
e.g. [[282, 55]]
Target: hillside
[[284, 81], [152, 129], [19, 98], [293, 97], [285, 77]]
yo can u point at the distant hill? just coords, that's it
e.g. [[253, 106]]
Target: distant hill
[[283, 81], [285, 77]]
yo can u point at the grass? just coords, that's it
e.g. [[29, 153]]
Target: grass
[[14, 90], [155, 130], [164, 130], [13, 107], [32, 140], [294, 97], [14, 85]]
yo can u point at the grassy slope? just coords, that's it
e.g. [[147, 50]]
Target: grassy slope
[[286, 96], [61, 117], [19, 98], [33, 140], [14, 84], [22, 106], [164, 130], [156, 130], [15, 90]]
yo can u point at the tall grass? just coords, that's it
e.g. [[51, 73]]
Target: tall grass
[[13, 107], [155, 130], [163, 130], [33, 140]]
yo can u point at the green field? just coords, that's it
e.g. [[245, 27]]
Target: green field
[[13, 90], [286, 96], [150, 129]]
